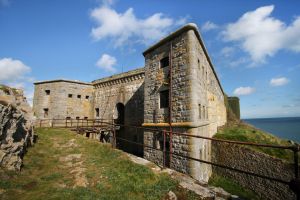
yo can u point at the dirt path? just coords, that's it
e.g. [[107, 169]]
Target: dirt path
[[73, 163]]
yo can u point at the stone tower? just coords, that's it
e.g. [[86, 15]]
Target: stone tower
[[182, 93], [61, 99]]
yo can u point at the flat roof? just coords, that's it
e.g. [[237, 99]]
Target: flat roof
[[120, 75], [185, 28], [61, 80]]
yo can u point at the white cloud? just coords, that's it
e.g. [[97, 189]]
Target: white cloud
[[209, 26], [262, 35], [12, 70], [279, 81], [240, 91], [107, 63], [15, 73], [121, 27]]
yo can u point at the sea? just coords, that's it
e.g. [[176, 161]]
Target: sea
[[287, 128]]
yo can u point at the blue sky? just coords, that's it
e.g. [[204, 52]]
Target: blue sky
[[254, 45]]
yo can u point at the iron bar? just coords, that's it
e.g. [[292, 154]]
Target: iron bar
[[164, 148], [214, 164], [294, 148]]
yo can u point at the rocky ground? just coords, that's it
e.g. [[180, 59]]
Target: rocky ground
[[16, 132]]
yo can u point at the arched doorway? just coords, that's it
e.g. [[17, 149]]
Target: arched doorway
[[121, 113], [120, 133]]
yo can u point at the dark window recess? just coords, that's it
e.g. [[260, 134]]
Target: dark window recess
[[164, 99], [47, 92], [85, 117], [199, 107], [68, 118], [164, 62], [87, 97], [79, 96], [77, 117], [97, 112], [46, 110], [70, 95], [135, 138]]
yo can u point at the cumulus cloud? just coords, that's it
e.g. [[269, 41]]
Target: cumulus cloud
[[262, 35], [15, 73], [121, 27], [279, 81], [209, 26], [241, 91], [12, 70], [107, 63]]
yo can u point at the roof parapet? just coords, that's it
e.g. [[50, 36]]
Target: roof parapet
[[120, 76], [61, 80]]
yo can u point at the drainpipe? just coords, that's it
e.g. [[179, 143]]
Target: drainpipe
[[170, 101]]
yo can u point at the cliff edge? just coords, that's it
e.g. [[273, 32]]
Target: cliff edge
[[16, 127]]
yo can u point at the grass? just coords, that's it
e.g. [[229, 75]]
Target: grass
[[232, 187], [246, 133], [109, 173]]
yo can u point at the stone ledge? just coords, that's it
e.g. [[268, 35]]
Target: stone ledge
[[178, 124]]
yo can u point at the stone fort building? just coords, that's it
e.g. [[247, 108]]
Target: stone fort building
[[177, 89]]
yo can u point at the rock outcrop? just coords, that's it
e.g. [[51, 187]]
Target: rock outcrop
[[16, 127]]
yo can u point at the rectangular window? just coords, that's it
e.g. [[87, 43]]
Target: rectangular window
[[47, 92], [79, 96], [164, 99], [203, 112], [97, 112], [199, 69], [164, 62], [46, 112], [199, 107], [207, 113], [87, 97], [85, 117], [70, 95], [68, 118], [77, 118]]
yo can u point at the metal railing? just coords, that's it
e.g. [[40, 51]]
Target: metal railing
[[96, 124]]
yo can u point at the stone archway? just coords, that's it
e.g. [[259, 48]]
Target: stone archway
[[121, 113]]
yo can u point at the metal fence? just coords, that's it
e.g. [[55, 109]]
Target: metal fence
[[94, 125]]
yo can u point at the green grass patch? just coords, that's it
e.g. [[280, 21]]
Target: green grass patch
[[231, 187], [110, 174], [246, 133]]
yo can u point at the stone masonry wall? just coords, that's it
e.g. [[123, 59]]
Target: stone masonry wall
[[156, 80], [128, 89], [249, 160], [207, 105], [180, 145], [197, 100], [59, 104]]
